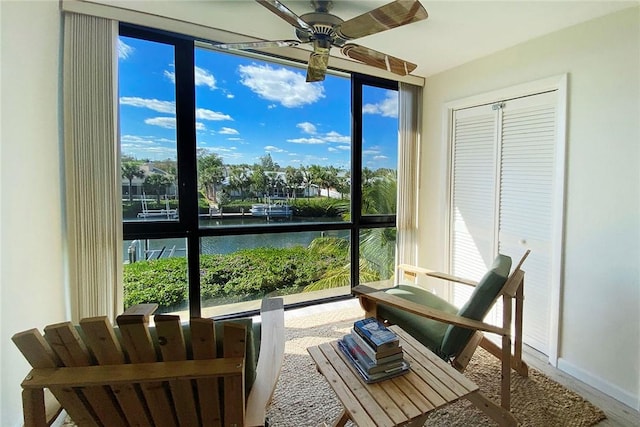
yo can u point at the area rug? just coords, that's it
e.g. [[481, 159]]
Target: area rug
[[303, 397]]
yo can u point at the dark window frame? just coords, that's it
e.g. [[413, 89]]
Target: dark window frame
[[188, 227]]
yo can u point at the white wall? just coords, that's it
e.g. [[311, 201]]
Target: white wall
[[31, 288], [600, 320]]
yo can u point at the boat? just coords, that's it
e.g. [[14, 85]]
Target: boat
[[272, 209]]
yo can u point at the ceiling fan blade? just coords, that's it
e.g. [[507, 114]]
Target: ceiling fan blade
[[378, 59], [256, 45], [391, 15], [317, 68], [285, 13]]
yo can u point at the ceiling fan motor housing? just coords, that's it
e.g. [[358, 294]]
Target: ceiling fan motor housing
[[324, 25]]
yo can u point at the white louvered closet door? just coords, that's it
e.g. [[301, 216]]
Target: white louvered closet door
[[528, 153], [473, 195], [502, 199]]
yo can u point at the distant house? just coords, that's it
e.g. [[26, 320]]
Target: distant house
[[137, 184]]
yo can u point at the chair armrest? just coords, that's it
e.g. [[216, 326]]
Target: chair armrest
[[101, 375], [409, 306], [141, 309], [413, 270], [269, 361]]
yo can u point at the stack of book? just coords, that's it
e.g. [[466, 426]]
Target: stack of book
[[374, 350]]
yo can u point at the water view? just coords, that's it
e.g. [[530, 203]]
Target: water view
[[143, 249]]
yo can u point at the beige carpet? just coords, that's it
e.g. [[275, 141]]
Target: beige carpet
[[304, 398]]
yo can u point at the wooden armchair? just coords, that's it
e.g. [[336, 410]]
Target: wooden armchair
[[167, 375], [452, 333]]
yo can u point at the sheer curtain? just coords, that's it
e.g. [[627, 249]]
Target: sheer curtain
[[410, 112], [92, 176]]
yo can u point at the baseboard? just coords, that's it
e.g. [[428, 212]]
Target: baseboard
[[632, 401]]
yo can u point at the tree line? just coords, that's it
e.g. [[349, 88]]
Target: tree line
[[266, 178]]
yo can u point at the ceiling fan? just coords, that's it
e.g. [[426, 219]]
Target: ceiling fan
[[324, 30]]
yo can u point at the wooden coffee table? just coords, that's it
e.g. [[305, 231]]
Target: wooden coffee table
[[431, 383]]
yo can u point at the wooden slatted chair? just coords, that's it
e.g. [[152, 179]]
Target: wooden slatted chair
[[454, 334], [169, 375]]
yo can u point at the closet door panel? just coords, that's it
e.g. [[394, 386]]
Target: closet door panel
[[473, 195], [527, 164]]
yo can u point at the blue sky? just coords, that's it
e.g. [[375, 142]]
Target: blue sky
[[246, 108]]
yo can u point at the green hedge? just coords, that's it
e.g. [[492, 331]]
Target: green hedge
[[238, 276]]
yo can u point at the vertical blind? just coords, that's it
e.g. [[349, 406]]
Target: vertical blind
[[410, 99], [92, 177]]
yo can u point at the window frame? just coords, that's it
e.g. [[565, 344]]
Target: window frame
[[187, 226]]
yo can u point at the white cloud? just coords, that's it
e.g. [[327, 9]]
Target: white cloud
[[320, 139], [202, 77], [234, 139], [204, 114], [230, 96], [370, 152], [170, 123], [274, 149], [144, 140], [154, 152], [312, 141], [280, 85], [124, 50], [380, 158], [332, 150], [344, 147], [163, 122], [385, 108], [334, 136], [168, 107], [224, 149], [228, 131], [293, 154], [307, 127], [271, 106], [170, 75]]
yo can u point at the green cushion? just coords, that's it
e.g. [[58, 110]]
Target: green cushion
[[483, 297], [429, 332], [252, 347]]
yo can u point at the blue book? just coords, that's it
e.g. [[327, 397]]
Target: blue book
[[372, 378], [370, 366], [378, 336]]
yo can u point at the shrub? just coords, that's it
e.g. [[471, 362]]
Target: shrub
[[242, 275], [319, 207]]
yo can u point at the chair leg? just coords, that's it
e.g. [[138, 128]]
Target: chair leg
[[498, 414], [34, 408], [505, 392]]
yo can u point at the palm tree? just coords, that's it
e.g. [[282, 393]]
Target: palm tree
[[377, 245], [239, 179], [259, 181], [130, 170], [210, 173], [317, 173], [157, 183], [307, 178]]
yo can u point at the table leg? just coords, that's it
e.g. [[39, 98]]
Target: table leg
[[418, 422], [342, 420]]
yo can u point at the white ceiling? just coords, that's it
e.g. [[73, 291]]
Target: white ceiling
[[456, 32]]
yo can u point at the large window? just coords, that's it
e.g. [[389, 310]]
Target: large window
[[241, 180]]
